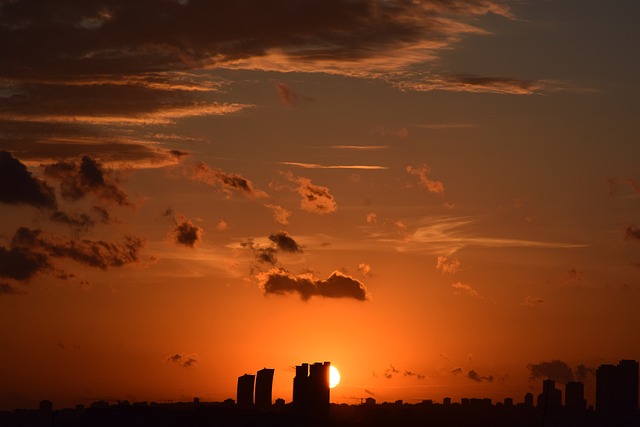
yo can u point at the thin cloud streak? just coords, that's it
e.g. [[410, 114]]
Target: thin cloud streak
[[317, 166], [447, 235]]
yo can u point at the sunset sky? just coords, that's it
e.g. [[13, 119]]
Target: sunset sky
[[441, 197]]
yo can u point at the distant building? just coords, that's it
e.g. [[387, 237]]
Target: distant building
[[244, 396], [551, 397], [528, 400], [574, 396], [617, 392], [446, 401], [46, 406], [264, 385]]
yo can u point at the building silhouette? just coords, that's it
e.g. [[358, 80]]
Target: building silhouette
[[311, 393], [617, 393], [264, 385], [244, 395], [574, 396], [551, 397]]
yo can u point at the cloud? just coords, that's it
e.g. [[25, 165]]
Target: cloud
[[532, 301], [584, 373], [21, 263], [227, 182], [280, 214], [360, 147], [80, 222], [317, 166], [18, 186], [186, 233], [315, 198], [446, 266], [183, 360], [365, 269], [616, 183], [287, 95], [93, 253], [556, 370], [338, 285], [632, 233], [7, 289], [372, 218], [79, 179], [422, 173], [457, 371], [284, 242], [474, 376], [339, 36], [464, 288], [264, 255], [475, 84], [279, 242]]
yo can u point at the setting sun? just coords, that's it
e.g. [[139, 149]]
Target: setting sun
[[334, 377]]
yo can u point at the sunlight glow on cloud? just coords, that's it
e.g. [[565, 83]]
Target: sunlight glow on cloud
[[316, 166]]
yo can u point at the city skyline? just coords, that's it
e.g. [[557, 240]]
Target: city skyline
[[442, 198]]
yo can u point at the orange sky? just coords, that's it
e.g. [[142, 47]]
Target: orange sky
[[440, 198]]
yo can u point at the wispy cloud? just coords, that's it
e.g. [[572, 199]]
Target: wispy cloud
[[360, 147], [448, 234], [318, 166]]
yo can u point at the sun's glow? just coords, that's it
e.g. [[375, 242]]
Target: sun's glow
[[334, 376]]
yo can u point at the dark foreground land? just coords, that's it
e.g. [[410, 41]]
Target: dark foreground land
[[475, 414]]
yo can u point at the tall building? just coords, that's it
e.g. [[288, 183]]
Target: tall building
[[264, 385], [617, 392], [300, 388], [311, 393], [244, 395], [551, 397], [574, 396]]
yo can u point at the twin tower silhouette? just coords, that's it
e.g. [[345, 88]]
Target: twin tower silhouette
[[311, 392]]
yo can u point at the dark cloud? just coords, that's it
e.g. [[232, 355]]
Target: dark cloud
[[584, 373], [80, 222], [227, 182], [7, 289], [186, 361], [186, 233], [474, 376], [284, 242], [78, 179], [18, 186], [457, 371], [280, 242], [179, 35], [338, 285], [93, 253], [632, 233], [369, 392], [21, 263], [556, 370], [264, 255]]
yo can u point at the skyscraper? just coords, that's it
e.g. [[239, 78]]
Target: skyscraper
[[244, 395], [264, 384], [617, 392], [574, 396], [311, 394]]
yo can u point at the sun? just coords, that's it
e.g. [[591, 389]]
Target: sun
[[334, 376]]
